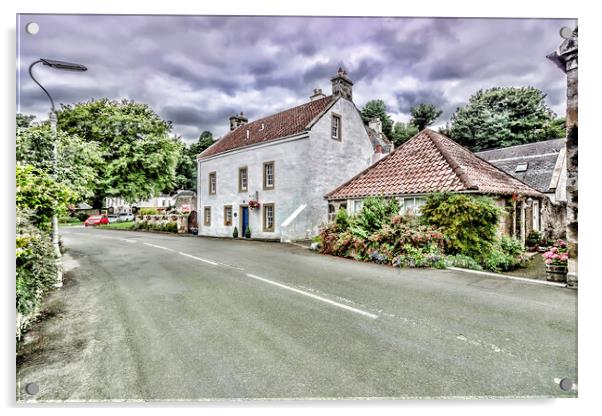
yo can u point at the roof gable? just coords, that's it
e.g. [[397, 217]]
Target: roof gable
[[430, 162], [283, 124]]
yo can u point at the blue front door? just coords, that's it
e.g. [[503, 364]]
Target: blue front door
[[245, 220]]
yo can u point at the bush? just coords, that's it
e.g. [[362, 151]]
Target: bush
[[171, 227], [374, 214], [69, 220], [505, 254], [248, 232], [148, 211], [82, 216], [534, 238], [36, 269], [463, 262], [342, 219], [469, 222], [235, 232]]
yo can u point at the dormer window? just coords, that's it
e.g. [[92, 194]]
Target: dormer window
[[336, 127]]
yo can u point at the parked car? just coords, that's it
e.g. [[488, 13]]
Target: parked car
[[96, 220], [113, 218], [124, 216]]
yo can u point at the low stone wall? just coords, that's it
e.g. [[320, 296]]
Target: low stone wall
[[180, 219], [553, 219]]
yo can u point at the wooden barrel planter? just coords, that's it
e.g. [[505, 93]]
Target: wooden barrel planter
[[555, 273]]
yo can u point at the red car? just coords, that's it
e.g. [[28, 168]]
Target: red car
[[96, 220]]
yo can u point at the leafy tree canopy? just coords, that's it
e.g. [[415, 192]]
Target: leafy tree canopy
[[78, 162], [186, 168], [402, 132], [377, 108], [24, 120], [39, 194], [423, 115], [139, 156], [502, 117]]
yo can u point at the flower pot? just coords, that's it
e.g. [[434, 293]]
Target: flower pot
[[556, 273]]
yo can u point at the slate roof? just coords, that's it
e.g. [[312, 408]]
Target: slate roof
[[430, 162], [541, 159], [283, 124]]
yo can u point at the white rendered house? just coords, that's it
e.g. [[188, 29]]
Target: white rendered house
[[284, 163]]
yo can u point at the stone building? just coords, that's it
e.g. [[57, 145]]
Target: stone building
[[431, 162], [541, 165], [271, 174]]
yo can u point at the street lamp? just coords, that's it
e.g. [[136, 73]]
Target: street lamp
[[65, 66]]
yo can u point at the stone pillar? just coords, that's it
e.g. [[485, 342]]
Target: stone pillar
[[566, 59]]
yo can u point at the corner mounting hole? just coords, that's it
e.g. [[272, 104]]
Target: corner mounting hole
[[32, 28], [566, 384], [32, 388]]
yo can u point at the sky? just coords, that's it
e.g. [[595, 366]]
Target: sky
[[196, 71]]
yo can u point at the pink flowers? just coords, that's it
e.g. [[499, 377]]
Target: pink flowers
[[557, 255]]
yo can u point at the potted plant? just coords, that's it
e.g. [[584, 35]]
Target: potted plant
[[557, 262], [248, 232], [235, 233], [253, 204]]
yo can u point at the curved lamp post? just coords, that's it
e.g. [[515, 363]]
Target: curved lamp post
[[66, 66]]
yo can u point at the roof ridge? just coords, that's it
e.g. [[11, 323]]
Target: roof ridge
[[456, 168], [283, 111], [485, 161], [519, 145]]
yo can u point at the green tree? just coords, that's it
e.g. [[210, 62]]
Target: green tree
[[39, 194], [186, 168], [502, 117], [24, 121], [78, 163], [139, 156], [423, 115], [205, 140], [377, 108], [402, 132]]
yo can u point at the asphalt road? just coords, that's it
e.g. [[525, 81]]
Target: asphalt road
[[157, 317]]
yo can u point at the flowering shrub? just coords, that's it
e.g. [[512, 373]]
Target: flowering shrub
[[557, 255], [380, 235]]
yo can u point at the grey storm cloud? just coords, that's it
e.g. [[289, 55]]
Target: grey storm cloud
[[196, 71]]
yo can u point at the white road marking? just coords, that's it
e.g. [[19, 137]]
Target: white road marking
[[198, 258], [229, 265], [311, 295], [127, 241], [505, 276], [156, 246]]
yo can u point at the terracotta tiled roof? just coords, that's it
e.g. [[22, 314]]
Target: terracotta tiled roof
[[430, 162], [286, 123]]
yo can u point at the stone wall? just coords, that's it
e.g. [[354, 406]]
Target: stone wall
[[161, 219], [553, 219]]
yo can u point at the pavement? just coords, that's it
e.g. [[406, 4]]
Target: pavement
[[145, 317]]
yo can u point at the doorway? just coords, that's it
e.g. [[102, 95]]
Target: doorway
[[244, 219]]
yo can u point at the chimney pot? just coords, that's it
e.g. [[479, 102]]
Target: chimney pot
[[317, 94], [237, 121]]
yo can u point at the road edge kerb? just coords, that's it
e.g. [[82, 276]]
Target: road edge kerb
[[505, 276]]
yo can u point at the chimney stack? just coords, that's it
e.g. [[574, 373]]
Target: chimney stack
[[376, 125], [237, 121], [342, 85], [317, 94]]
